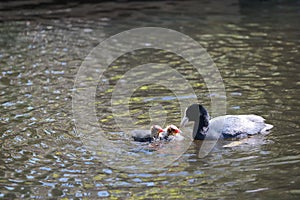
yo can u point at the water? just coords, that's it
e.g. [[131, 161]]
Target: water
[[255, 47]]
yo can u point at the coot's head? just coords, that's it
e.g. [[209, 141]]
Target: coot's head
[[198, 114], [156, 130]]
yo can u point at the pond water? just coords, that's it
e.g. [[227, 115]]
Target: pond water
[[254, 45]]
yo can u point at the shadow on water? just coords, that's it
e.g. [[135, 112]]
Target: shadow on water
[[255, 46]]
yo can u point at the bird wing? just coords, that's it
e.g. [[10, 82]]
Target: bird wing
[[239, 125]]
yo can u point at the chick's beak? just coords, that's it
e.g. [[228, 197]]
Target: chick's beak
[[184, 121], [178, 131], [161, 133]]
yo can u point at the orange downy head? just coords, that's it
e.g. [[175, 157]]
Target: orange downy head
[[173, 130]]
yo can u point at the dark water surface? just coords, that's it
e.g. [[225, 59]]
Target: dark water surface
[[254, 45]]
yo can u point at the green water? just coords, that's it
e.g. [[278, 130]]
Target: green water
[[254, 45]]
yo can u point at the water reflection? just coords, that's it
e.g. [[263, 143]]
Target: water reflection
[[254, 46]]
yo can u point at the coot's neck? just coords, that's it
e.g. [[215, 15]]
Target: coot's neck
[[198, 132]]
